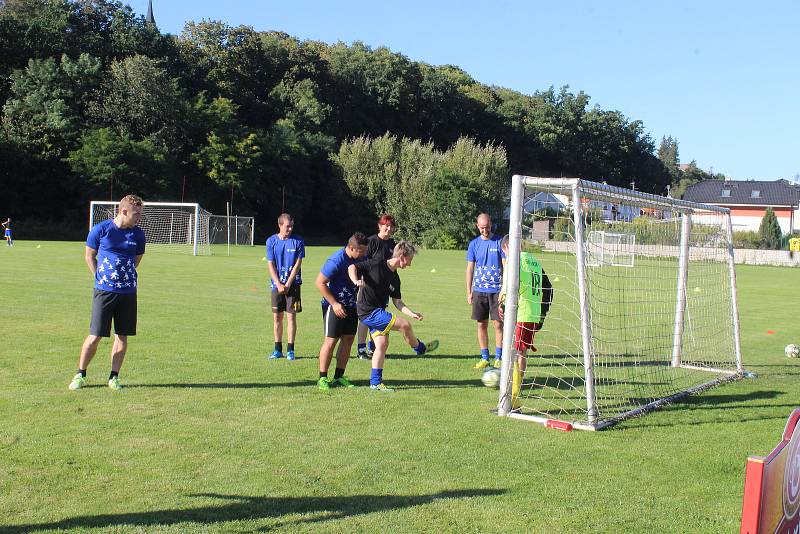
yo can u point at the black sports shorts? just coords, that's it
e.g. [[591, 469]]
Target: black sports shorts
[[337, 327], [484, 306], [288, 302], [121, 307]]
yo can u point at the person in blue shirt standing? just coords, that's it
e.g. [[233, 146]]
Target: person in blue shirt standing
[[114, 250], [339, 315], [7, 232], [484, 281], [285, 254]]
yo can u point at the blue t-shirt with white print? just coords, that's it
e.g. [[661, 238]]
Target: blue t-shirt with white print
[[335, 270], [117, 249], [284, 253], [488, 258]]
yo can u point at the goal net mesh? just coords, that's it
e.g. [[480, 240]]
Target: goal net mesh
[[633, 283], [234, 230]]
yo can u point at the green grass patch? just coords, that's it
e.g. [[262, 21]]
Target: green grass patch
[[209, 436]]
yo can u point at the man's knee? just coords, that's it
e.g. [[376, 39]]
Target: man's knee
[[92, 341]]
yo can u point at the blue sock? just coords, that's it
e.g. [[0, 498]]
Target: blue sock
[[498, 353], [376, 377], [421, 348], [362, 346], [485, 354]]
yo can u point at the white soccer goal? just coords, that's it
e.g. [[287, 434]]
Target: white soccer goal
[[171, 226], [629, 336], [610, 248]]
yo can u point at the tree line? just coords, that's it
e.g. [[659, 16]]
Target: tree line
[[97, 103]]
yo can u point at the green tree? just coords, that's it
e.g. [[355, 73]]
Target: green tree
[[140, 99], [434, 195], [770, 231], [668, 154], [47, 108], [111, 161], [231, 154]]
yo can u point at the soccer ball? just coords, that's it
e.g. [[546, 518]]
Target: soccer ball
[[491, 378], [792, 350]]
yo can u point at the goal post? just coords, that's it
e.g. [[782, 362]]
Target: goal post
[[621, 336], [171, 226]]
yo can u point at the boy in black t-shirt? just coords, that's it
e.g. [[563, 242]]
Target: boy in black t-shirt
[[377, 280]]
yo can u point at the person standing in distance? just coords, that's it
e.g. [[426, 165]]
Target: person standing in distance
[[339, 315], [285, 254], [114, 250], [377, 280], [484, 279], [7, 232], [380, 245]]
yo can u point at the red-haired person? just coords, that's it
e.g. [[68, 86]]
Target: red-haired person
[[380, 245]]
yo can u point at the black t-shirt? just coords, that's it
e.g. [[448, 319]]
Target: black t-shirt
[[380, 283], [380, 248]]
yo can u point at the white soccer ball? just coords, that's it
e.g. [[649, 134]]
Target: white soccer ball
[[792, 350], [491, 378]]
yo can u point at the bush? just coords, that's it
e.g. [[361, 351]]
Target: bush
[[746, 239]]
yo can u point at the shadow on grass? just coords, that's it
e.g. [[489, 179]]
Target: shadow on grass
[[312, 384], [245, 508], [710, 402], [433, 356]]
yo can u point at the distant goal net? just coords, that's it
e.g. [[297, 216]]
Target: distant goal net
[[169, 226], [641, 302], [233, 229]]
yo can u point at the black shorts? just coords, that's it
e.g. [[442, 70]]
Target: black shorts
[[335, 326], [288, 302], [121, 307], [484, 306]]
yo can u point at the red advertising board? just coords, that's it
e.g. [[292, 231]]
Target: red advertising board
[[772, 487]]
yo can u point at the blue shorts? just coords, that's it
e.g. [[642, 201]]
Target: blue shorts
[[8, 232], [379, 321]]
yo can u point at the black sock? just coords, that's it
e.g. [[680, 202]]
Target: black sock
[[82, 372], [289, 347], [279, 346], [113, 374], [338, 373], [323, 374]]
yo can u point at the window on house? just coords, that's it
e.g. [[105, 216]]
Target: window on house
[[726, 193], [755, 193]]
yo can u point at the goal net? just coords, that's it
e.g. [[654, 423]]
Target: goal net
[[232, 230], [175, 227], [642, 308]]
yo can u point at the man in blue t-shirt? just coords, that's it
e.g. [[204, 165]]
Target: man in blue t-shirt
[[484, 280], [285, 253], [114, 249], [339, 310]]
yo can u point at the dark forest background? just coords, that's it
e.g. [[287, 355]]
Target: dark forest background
[[96, 103]]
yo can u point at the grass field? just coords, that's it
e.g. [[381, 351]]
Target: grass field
[[209, 436]]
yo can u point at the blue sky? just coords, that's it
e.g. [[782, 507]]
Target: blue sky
[[721, 77]]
